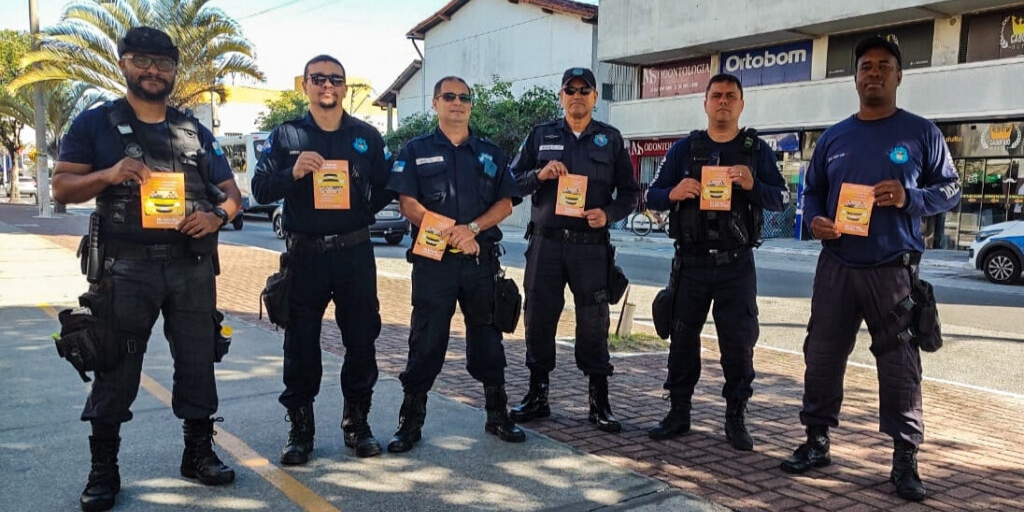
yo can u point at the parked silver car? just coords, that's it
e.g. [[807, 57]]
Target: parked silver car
[[388, 223]]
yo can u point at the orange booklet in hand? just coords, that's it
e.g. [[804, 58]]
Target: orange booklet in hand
[[163, 200], [715, 188], [331, 186], [853, 213], [571, 196], [430, 243]]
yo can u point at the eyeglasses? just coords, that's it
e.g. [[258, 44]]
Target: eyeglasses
[[571, 91], [145, 61], [319, 79], [450, 97]]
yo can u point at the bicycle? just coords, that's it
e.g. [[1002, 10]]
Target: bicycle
[[642, 223]]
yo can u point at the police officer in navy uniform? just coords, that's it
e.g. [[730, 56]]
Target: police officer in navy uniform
[[330, 254], [107, 153], [904, 160], [465, 178], [713, 259], [573, 250]]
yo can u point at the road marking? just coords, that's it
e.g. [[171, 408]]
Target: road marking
[[287, 484]]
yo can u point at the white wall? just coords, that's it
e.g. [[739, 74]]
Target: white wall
[[518, 42]]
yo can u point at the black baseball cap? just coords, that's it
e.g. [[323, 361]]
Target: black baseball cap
[[582, 73], [147, 40], [869, 43]]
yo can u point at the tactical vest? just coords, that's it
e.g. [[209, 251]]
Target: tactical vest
[[702, 230], [293, 140], [120, 205]]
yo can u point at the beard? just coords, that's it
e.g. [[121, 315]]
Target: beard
[[328, 104], [136, 87]]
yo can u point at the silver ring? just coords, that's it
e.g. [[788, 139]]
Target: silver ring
[[890, 195]]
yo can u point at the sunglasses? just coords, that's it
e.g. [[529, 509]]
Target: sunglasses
[[145, 61], [571, 91], [319, 79], [450, 97]]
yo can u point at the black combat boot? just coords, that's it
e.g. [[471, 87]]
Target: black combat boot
[[535, 403], [904, 472], [676, 423], [735, 430], [198, 460], [600, 410], [812, 454], [300, 437], [104, 479], [498, 422], [410, 421], [358, 435]]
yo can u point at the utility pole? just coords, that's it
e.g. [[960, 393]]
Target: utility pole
[[42, 169]]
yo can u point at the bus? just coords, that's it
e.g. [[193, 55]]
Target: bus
[[242, 152]]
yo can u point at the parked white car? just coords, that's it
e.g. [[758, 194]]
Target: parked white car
[[998, 251], [26, 186]]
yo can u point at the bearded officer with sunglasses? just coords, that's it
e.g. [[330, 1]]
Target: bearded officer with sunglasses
[[465, 178], [573, 250], [331, 169], [107, 154]]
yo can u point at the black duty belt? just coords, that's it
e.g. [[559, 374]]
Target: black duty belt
[[127, 251], [571, 236], [327, 243], [907, 259], [712, 258]]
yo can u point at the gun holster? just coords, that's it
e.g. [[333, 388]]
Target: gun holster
[[88, 338], [508, 302], [617, 280], [276, 294], [663, 307]]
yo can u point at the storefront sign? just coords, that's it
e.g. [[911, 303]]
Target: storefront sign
[[683, 77], [650, 147], [985, 139], [998, 35], [787, 142], [915, 42], [770, 65]]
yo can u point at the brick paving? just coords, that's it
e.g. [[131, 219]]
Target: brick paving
[[973, 458]]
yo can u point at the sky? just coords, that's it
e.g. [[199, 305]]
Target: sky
[[367, 36]]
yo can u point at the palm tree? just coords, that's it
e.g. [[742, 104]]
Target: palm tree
[[83, 46]]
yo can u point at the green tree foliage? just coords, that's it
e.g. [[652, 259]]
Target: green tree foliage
[[15, 108], [288, 106], [497, 115], [83, 46]]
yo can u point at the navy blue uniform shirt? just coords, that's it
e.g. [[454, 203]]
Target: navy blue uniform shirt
[[903, 147], [599, 154], [460, 182], [91, 140], [355, 141], [769, 192]]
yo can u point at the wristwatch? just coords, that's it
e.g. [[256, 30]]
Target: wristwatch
[[218, 211], [474, 227]]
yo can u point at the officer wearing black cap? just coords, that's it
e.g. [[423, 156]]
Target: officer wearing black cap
[[714, 261], [108, 154], [905, 164], [573, 250], [330, 254], [465, 178]]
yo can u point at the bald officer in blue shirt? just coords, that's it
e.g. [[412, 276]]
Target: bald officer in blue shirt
[[862, 278], [463, 177]]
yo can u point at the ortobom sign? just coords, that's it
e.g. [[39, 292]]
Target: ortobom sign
[[770, 65]]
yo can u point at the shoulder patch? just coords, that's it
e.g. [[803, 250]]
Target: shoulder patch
[[398, 167], [268, 144], [217, 150], [490, 168], [387, 152]]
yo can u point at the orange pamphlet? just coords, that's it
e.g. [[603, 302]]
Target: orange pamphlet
[[429, 241], [854, 211], [572, 195], [331, 186], [163, 200], [715, 188]]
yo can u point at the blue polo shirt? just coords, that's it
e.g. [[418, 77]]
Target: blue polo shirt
[[460, 182], [903, 147]]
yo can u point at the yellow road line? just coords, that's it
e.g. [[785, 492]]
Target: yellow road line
[[287, 484]]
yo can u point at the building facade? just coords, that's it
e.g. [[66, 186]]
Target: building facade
[[963, 61]]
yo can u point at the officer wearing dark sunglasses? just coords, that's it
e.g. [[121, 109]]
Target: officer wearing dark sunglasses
[[465, 178], [330, 254], [573, 250]]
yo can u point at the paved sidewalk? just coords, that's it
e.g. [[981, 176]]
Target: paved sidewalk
[[973, 457]]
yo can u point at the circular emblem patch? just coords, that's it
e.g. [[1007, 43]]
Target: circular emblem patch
[[601, 140], [899, 155], [360, 145]]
